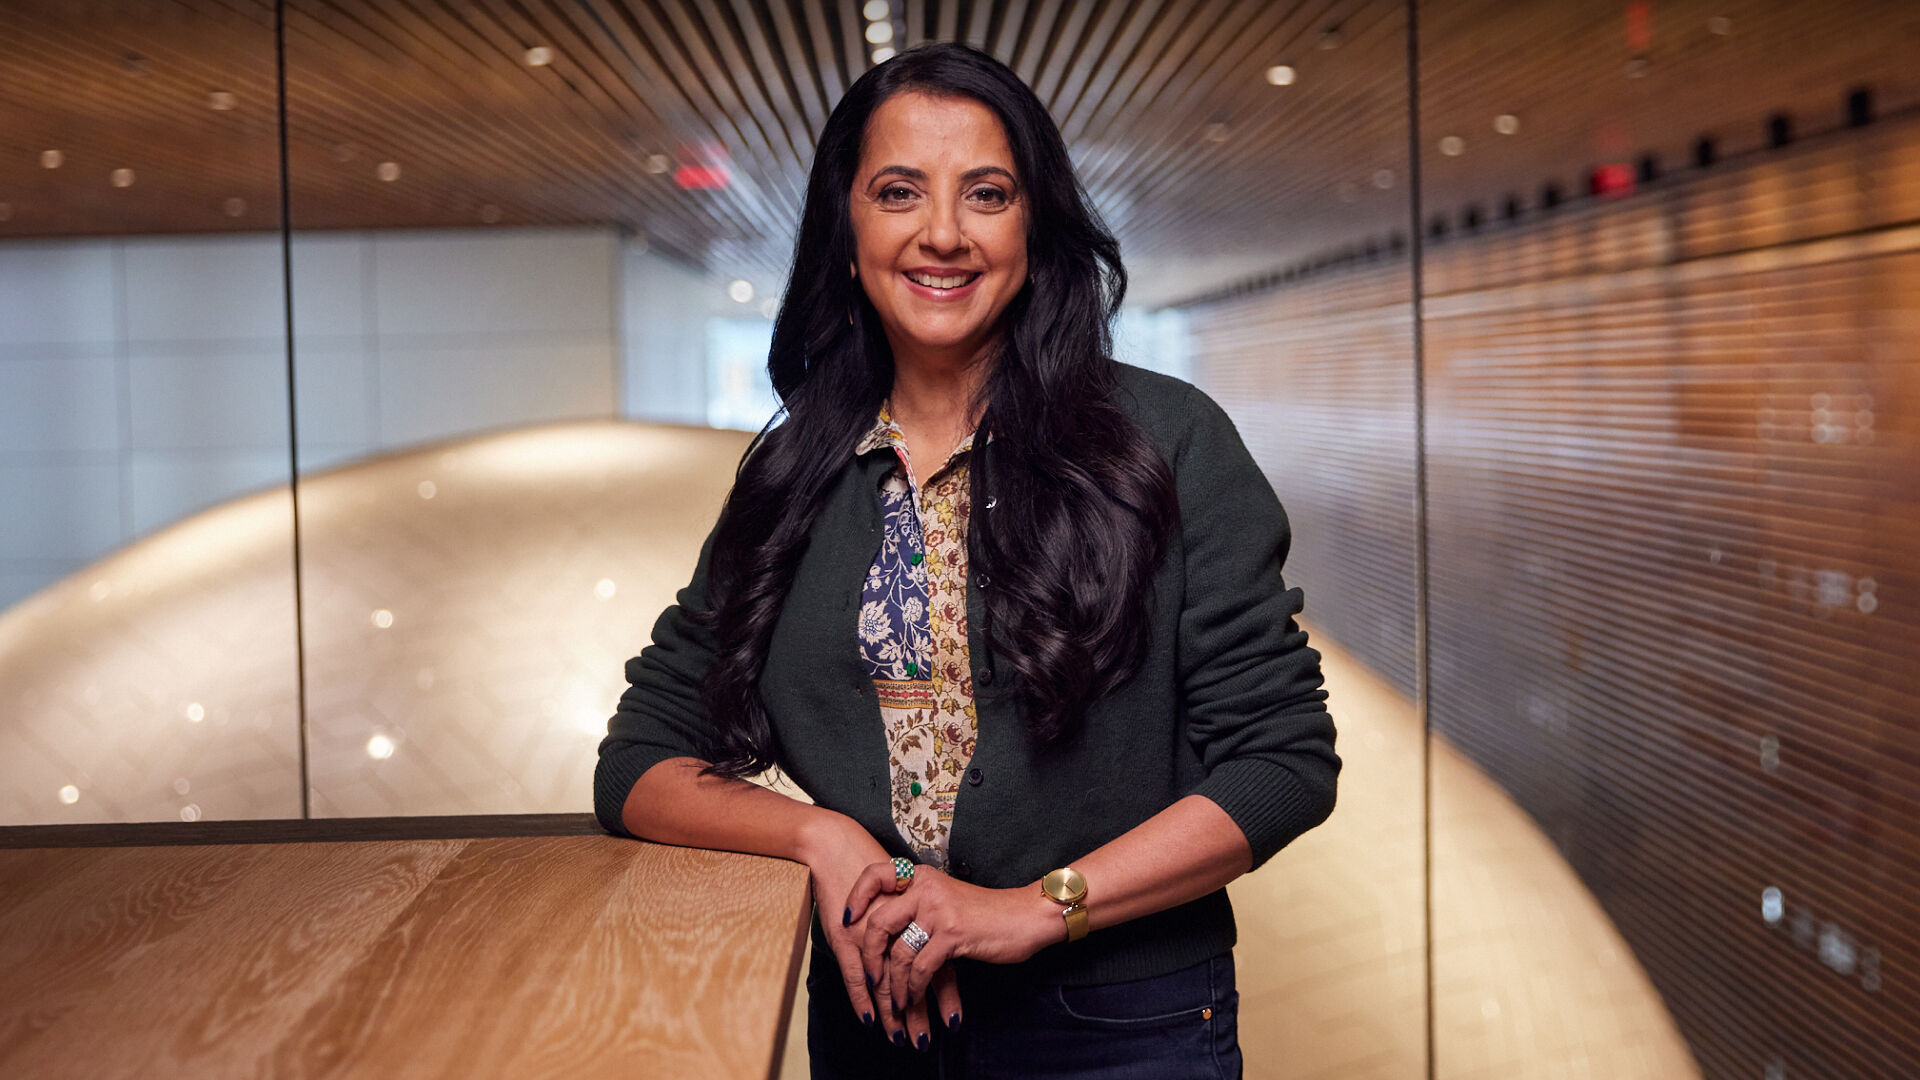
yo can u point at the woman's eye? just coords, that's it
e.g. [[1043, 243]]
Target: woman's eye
[[896, 193], [989, 196]]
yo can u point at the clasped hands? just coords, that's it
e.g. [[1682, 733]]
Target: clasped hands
[[893, 986]]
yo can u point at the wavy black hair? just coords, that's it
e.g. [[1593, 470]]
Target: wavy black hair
[[1082, 505]]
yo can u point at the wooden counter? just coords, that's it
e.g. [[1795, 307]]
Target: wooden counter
[[399, 947]]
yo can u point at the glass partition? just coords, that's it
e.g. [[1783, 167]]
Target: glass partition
[[1668, 320], [148, 662]]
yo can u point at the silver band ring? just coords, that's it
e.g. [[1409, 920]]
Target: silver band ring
[[914, 937]]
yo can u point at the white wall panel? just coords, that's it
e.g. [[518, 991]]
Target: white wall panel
[[57, 291], [201, 401], [59, 404], [531, 281], [201, 288]]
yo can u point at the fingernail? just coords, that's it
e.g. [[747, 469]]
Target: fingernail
[[846, 917], [900, 1039], [922, 1044], [953, 1022], [866, 1018]]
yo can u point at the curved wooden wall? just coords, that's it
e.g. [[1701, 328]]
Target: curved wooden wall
[[1675, 524]]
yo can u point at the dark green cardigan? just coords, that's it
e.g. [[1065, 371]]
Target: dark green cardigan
[[1228, 704]]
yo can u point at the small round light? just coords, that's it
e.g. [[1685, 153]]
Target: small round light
[[1282, 74], [883, 54], [539, 56], [380, 747], [121, 178], [52, 159], [741, 291], [388, 171], [1506, 124], [879, 33], [69, 794], [222, 101], [604, 590], [196, 712], [1772, 907], [876, 10], [190, 812], [658, 163], [382, 618], [427, 489], [181, 786], [1453, 146], [1383, 178], [234, 207]]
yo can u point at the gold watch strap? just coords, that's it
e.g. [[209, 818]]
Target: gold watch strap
[[1076, 916]]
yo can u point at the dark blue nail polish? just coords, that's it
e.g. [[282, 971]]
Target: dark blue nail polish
[[846, 917], [922, 1044], [866, 1018], [953, 1022], [900, 1039]]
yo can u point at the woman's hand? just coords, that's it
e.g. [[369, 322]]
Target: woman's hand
[[837, 852], [998, 926]]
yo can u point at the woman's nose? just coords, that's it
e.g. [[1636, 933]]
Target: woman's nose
[[941, 231]]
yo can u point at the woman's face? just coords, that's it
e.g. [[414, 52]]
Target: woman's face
[[939, 225]]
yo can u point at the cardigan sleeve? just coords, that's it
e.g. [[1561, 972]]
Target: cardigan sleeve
[[1250, 684], [660, 715]]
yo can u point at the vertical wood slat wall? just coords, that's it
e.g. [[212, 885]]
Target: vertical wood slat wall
[[1675, 525]]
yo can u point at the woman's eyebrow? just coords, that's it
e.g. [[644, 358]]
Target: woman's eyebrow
[[920, 176]]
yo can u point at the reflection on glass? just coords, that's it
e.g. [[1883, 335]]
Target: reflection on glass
[[1665, 330]]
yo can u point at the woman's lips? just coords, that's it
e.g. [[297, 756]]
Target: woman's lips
[[959, 292]]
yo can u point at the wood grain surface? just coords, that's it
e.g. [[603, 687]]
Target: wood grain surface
[[519, 956]]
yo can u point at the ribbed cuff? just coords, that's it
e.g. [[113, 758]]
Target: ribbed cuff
[[613, 780], [1270, 803]]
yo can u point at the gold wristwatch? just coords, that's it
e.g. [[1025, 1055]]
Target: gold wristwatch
[[1068, 888]]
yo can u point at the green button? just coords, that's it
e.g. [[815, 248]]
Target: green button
[[914, 787], [917, 558], [913, 668]]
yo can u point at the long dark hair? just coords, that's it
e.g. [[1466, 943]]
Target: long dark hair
[[1081, 504]]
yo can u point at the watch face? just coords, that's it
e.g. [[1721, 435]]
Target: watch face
[[1065, 886]]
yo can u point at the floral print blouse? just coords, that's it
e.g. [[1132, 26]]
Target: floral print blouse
[[913, 638]]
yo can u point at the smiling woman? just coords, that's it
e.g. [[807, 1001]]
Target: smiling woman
[[1080, 704]]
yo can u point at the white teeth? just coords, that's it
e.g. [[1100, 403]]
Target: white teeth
[[932, 282]]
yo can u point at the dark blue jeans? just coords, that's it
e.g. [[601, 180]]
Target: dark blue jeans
[[1171, 1027]]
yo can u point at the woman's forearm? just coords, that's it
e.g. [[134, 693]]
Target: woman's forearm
[[674, 804], [1180, 854]]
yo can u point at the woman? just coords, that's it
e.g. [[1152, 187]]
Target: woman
[[1010, 612]]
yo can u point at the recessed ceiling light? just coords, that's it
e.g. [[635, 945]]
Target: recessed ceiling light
[[1331, 38], [1383, 178], [388, 171], [1720, 26], [52, 159], [876, 10], [538, 56], [222, 101], [234, 207], [658, 163], [880, 33], [741, 291], [883, 54], [1282, 75], [121, 178], [1453, 146], [1506, 123]]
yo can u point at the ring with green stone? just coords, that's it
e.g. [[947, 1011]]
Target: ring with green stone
[[902, 874]]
